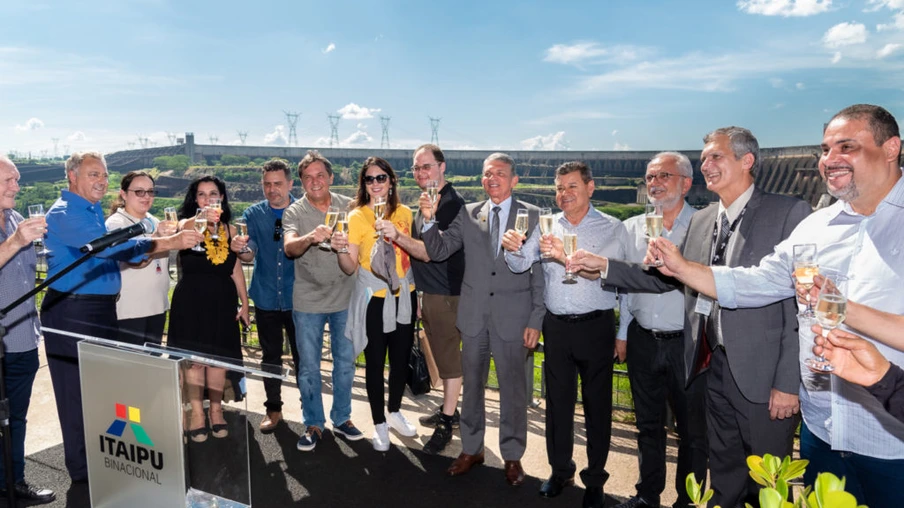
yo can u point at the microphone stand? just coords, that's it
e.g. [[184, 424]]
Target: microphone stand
[[4, 401]]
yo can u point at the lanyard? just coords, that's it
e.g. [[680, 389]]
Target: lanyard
[[718, 250]]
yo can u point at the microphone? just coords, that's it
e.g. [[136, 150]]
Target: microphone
[[117, 236]]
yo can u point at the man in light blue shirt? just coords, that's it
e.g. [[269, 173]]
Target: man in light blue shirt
[[578, 331], [846, 430]]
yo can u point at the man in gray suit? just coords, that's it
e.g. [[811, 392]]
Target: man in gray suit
[[499, 314], [750, 355]]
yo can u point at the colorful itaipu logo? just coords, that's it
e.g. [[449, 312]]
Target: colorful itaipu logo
[[133, 415]]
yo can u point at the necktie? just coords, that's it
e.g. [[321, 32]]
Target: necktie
[[722, 241], [714, 323], [494, 232]]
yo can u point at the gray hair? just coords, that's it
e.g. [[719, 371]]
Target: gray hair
[[742, 142], [76, 160], [6, 160], [681, 162], [504, 157]]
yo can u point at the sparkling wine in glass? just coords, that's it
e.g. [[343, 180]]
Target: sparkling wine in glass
[[653, 223], [433, 194], [570, 241], [332, 215], [215, 204], [242, 229], [805, 268], [546, 224], [379, 210], [37, 212], [200, 226], [831, 307], [342, 227]]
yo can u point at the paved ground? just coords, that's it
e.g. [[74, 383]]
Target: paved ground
[[44, 430]]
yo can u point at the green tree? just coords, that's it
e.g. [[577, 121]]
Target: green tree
[[235, 160], [178, 164]]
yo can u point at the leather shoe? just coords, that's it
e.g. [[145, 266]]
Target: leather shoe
[[514, 473], [464, 463], [554, 485], [593, 497], [269, 423], [31, 494]]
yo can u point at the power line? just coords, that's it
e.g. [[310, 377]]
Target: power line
[[213, 139], [292, 120], [172, 138], [56, 142], [384, 140], [242, 136], [334, 129], [434, 127]]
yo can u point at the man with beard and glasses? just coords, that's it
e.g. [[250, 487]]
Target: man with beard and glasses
[[274, 276], [846, 430]]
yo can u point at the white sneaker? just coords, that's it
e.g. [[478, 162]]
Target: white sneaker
[[381, 437], [400, 424]]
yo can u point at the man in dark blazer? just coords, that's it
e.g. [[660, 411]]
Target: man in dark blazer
[[500, 314], [750, 356]]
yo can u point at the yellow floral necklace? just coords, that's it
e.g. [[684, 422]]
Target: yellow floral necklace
[[217, 251]]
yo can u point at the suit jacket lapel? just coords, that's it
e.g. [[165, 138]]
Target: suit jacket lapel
[[745, 228]]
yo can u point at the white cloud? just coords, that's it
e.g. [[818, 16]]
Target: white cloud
[[785, 8], [898, 23], [329, 49], [836, 57], [555, 141], [361, 126], [614, 132], [875, 5], [352, 111], [32, 124], [887, 50], [77, 136], [575, 54], [358, 137], [844, 34], [277, 137], [800, 86], [777, 82], [621, 147]]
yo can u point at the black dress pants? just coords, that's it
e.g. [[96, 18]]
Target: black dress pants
[[270, 326]]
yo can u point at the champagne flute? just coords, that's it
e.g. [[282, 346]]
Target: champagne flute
[[170, 221], [521, 223], [653, 217], [215, 204], [805, 268], [546, 225], [831, 307], [242, 229], [200, 226], [433, 194], [342, 227], [332, 215], [570, 241], [379, 211], [37, 212]]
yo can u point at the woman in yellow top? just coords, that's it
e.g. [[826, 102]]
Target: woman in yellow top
[[383, 304]]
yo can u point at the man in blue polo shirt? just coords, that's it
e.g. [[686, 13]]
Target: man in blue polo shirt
[[84, 300], [274, 275]]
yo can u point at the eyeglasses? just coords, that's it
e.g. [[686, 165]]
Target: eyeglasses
[[662, 176], [142, 192], [277, 230], [369, 179], [423, 167]]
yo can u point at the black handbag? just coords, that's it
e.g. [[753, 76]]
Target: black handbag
[[418, 374]]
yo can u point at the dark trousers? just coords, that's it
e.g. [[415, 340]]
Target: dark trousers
[[656, 372], [737, 428], [19, 371], [143, 329], [270, 326], [96, 318], [398, 343], [582, 348]]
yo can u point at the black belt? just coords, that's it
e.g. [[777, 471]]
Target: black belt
[[53, 294], [577, 318], [677, 334]]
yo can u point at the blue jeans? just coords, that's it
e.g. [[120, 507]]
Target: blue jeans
[[874, 482], [19, 370], [309, 340]]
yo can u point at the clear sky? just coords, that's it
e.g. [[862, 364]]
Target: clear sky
[[596, 75]]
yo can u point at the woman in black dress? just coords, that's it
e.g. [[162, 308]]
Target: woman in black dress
[[203, 315]]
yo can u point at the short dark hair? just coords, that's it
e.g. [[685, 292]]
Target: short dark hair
[[435, 150], [311, 157], [276, 164], [882, 124], [571, 167], [742, 142]]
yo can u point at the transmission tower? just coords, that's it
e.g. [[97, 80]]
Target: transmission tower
[[213, 139], [242, 136], [292, 120], [66, 150], [131, 144], [384, 140], [56, 143], [434, 127], [172, 138], [43, 154], [334, 129]]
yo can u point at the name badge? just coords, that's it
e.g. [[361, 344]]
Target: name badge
[[704, 305]]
